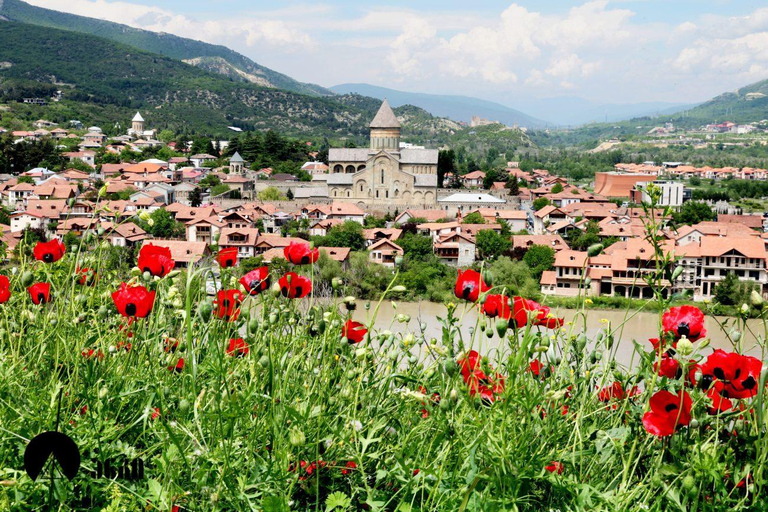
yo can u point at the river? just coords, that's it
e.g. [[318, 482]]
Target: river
[[626, 326]]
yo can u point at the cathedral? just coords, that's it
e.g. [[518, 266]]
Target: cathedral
[[383, 174]]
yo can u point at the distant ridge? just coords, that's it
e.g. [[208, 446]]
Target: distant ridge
[[216, 58], [458, 108]]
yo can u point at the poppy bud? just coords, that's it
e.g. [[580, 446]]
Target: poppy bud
[[103, 191], [756, 299], [394, 305], [296, 437], [184, 405], [336, 283], [146, 275], [264, 362], [694, 423], [399, 288], [735, 336], [704, 344], [501, 327], [273, 318], [454, 394], [684, 347], [587, 281], [450, 367], [487, 277], [404, 319], [594, 250], [253, 325], [678, 270], [27, 278], [398, 260], [204, 310], [102, 312]]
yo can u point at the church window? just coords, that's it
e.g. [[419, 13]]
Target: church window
[[382, 176], [347, 193], [377, 193], [386, 194]]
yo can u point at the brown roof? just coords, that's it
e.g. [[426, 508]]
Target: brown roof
[[525, 241], [336, 253], [181, 250], [751, 221]]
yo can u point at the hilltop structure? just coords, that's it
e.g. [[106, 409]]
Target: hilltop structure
[[384, 173], [138, 129]]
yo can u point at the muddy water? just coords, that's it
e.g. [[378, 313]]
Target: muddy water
[[625, 326]]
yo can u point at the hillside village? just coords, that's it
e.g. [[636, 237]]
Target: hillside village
[[259, 211]]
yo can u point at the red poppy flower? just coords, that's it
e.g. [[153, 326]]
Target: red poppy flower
[[170, 344], [478, 383], [668, 411], [40, 293], [228, 304], [133, 301], [156, 260], [354, 331], [348, 467], [522, 308], [299, 253], [497, 306], [668, 367], [155, 413], [434, 400], [50, 251], [537, 368], [616, 392], [256, 281], [719, 402], [685, 321], [738, 374], [91, 353], [178, 367], [237, 347], [294, 286], [5, 289], [227, 257], [555, 467], [86, 276], [469, 285]]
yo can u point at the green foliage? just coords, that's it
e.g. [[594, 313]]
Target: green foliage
[[539, 258], [372, 221], [491, 245], [21, 157], [540, 203], [693, 212], [515, 277], [25, 179], [349, 234], [473, 218], [196, 197], [580, 240], [219, 189], [731, 291], [162, 225], [270, 194], [557, 188], [416, 247]]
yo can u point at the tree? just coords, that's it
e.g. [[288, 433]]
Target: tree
[[371, 221], [513, 186], [557, 188], [289, 195], [196, 197], [731, 291], [491, 245], [219, 189], [270, 194], [473, 218], [693, 212], [25, 179], [414, 246], [539, 258], [165, 136], [446, 164], [210, 180], [540, 203], [349, 234], [491, 177], [162, 225]]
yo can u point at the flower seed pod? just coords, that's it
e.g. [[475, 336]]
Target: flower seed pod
[[756, 299], [501, 327], [336, 283], [27, 278], [594, 250], [296, 437], [676, 273]]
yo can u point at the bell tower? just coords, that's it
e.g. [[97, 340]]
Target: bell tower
[[385, 129]]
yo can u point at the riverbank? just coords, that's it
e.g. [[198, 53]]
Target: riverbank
[[614, 303]]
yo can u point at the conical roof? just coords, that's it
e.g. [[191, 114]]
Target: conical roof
[[385, 118], [138, 117], [236, 158]]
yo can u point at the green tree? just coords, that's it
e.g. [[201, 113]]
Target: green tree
[[446, 164], [513, 186], [491, 177], [540, 203], [219, 189], [25, 179], [210, 180], [733, 292], [416, 247], [349, 234], [491, 245], [557, 188], [165, 136], [539, 258], [196, 197], [693, 212], [162, 224], [289, 195], [270, 194], [473, 218], [372, 221]]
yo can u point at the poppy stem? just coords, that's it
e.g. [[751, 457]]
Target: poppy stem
[[56, 429]]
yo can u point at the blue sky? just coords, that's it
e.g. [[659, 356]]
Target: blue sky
[[617, 51]]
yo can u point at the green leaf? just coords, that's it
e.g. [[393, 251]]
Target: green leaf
[[274, 504], [337, 500]]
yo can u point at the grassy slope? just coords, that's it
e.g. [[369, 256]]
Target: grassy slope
[[165, 44]]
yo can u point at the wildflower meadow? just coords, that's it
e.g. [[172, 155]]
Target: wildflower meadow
[[155, 396]]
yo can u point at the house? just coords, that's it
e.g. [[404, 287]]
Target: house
[[96, 139], [203, 230], [18, 194], [315, 168], [373, 235], [244, 239], [182, 192], [516, 220], [521, 243], [546, 216], [321, 227], [384, 252], [467, 201], [473, 179], [201, 159], [177, 162], [127, 234], [87, 157], [456, 249], [184, 253], [340, 254], [427, 215]]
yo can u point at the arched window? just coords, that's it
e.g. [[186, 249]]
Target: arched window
[[347, 193], [382, 176], [386, 194]]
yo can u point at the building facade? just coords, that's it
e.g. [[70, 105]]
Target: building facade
[[383, 174]]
